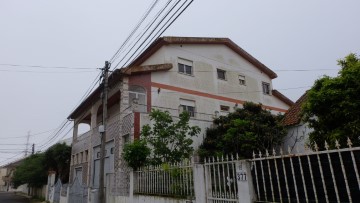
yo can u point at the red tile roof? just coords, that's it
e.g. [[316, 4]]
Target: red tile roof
[[292, 116]]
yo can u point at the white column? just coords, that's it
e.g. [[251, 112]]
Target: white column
[[75, 130], [246, 193], [199, 182]]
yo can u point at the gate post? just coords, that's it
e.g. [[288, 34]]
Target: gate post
[[199, 182], [246, 193]]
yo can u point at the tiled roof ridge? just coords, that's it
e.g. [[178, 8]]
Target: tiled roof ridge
[[292, 116]]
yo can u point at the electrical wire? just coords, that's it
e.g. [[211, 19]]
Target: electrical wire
[[64, 125], [167, 26], [2, 162], [45, 67], [147, 27], [134, 30], [45, 72], [29, 135]]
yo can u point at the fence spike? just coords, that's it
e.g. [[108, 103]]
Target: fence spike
[[232, 157], [316, 147], [260, 154], [349, 143], [297, 149], [222, 157], [227, 157], [281, 151], [273, 152], [306, 148], [289, 149], [213, 159], [337, 144], [326, 145], [267, 153], [237, 156], [254, 155]]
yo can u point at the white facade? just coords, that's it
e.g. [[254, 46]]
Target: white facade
[[156, 80], [210, 95], [206, 59]]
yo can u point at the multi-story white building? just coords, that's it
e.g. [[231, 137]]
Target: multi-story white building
[[205, 76]]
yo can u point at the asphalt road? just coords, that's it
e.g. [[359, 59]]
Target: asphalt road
[[10, 197]]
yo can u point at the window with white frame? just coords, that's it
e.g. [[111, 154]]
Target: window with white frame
[[221, 74], [224, 108], [137, 97], [242, 80], [185, 66], [187, 105], [266, 88]]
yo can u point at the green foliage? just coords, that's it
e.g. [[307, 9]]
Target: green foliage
[[136, 153], [57, 158], [243, 131], [167, 140], [31, 171], [332, 108]]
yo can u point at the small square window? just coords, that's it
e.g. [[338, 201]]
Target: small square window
[[98, 155], [187, 105], [189, 109], [242, 80], [224, 108], [221, 74], [112, 150], [266, 88]]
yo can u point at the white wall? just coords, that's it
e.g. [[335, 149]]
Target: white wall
[[296, 138], [206, 59]]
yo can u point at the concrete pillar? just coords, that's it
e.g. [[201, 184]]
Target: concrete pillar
[[199, 183], [75, 130], [93, 112], [244, 181]]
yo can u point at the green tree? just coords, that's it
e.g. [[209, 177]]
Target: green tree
[[168, 140], [243, 131], [136, 153], [57, 158], [31, 171], [332, 108]]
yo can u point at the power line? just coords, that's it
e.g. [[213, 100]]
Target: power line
[[157, 33], [134, 30], [30, 134], [2, 162], [45, 67], [66, 121], [45, 72], [147, 27], [166, 26]]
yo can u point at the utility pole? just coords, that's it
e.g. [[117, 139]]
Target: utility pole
[[33, 149], [27, 143], [103, 134]]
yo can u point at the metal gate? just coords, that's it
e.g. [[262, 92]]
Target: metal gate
[[220, 180], [57, 189], [78, 193]]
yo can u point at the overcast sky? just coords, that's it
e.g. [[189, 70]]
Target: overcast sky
[[284, 35]]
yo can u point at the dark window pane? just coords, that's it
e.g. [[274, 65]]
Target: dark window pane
[[188, 69], [181, 68], [221, 74]]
